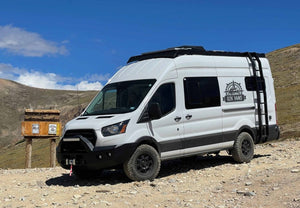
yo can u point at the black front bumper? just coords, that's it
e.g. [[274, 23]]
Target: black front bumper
[[81, 153]]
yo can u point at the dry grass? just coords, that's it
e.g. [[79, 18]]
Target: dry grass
[[14, 156], [285, 65]]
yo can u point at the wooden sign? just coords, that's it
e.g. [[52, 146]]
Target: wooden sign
[[41, 129], [40, 124], [41, 115]]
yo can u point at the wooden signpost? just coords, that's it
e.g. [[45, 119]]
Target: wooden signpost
[[41, 124]]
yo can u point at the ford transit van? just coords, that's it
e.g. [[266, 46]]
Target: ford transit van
[[173, 103]]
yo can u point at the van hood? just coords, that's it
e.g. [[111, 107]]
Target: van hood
[[96, 122]]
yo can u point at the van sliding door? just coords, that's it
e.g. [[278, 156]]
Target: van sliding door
[[202, 113]]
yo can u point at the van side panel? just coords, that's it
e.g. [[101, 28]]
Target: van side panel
[[271, 99], [270, 92], [237, 103], [202, 125]]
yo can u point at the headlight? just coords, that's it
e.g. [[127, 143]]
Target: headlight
[[117, 128]]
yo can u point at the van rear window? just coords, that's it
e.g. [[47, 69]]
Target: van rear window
[[201, 92]]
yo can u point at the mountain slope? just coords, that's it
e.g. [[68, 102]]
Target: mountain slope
[[285, 65], [15, 98]]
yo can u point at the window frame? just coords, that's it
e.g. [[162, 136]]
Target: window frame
[[144, 115], [187, 96]]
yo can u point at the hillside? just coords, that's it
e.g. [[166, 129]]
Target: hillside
[[15, 98], [285, 65]]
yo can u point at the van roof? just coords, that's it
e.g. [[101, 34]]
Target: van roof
[[186, 50]]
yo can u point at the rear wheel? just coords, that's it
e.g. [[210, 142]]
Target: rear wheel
[[144, 164], [243, 149]]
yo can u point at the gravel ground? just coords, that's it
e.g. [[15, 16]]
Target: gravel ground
[[272, 179]]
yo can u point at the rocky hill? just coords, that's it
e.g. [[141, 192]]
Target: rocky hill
[[285, 65]]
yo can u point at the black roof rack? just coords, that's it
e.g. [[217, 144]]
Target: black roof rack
[[186, 50]]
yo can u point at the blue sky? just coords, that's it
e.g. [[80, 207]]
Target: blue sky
[[76, 44]]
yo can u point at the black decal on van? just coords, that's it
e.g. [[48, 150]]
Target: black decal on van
[[234, 92]]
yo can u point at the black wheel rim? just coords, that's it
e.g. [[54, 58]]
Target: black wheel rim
[[246, 147], [144, 163]]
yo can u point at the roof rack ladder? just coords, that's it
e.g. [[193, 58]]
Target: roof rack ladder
[[261, 96]]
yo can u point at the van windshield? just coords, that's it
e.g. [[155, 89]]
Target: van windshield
[[120, 97]]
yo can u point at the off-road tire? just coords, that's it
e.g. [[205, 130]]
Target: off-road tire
[[144, 164], [243, 148]]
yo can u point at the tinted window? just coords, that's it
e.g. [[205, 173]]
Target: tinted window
[[165, 97], [250, 83], [201, 92]]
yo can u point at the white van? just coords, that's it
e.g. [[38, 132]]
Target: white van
[[173, 103]]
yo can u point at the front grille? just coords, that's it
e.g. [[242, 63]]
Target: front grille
[[72, 147], [89, 134]]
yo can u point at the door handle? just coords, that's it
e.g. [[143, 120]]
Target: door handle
[[177, 118], [188, 116]]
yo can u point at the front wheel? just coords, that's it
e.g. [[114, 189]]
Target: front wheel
[[144, 164], [243, 149]]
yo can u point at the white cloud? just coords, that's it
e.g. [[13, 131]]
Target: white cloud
[[97, 77], [7, 71], [47, 80], [52, 81], [85, 85], [21, 42], [37, 79]]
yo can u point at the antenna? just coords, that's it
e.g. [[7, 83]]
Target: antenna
[[78, 101]]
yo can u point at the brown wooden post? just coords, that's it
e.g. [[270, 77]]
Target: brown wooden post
[[52, 152], [28, 152]]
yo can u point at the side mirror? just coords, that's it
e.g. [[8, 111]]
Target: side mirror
[[154, 111]]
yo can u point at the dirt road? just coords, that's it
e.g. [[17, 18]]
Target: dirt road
[[272, 179]]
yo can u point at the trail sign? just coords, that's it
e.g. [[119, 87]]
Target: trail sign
[[41, 124]]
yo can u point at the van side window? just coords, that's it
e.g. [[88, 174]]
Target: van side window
[[250, 83], [165, 97], [201, 92]]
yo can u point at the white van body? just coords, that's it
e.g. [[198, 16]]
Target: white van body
[[201, 102]]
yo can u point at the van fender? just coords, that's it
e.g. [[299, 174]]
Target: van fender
[[150, 141], [249, 130]]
